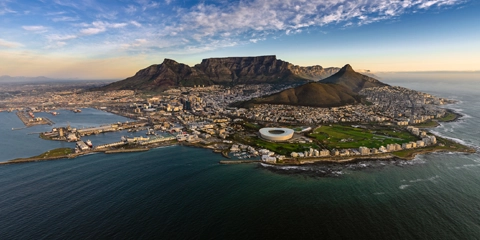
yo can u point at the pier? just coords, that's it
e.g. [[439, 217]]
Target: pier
[[29, 119]]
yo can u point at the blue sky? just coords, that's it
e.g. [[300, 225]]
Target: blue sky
[[114, 39]]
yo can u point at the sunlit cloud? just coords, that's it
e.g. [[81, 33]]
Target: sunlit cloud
[[99, 27], [9, 44], [38, 29]]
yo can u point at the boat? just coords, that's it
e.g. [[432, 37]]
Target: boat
[[77, 110], [150, 132], [89, 143], [54, 113]]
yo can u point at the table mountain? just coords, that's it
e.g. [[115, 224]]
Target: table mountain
[[227, 71]]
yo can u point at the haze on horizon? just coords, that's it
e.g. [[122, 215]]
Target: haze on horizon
[[99, 39]]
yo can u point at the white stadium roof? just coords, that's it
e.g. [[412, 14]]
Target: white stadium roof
[[276, 134]]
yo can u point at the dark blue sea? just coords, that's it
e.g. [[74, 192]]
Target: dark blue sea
[[183, 193]]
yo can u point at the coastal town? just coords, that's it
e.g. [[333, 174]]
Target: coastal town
[[203, 116]]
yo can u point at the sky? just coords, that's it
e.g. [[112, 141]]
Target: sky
[[106, 39]]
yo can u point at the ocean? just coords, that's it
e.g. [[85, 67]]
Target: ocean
[[181, 192]]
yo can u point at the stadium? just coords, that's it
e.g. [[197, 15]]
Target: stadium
[[276, 134]]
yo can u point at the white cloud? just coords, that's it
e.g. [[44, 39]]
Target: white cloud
[[99, 27], [137, 24], [8, 44], [38, 29], [147, 4], [4, 9], [136, 43], [130, 9], [204, 21], [117, 25], [93, 30], [65, 19], [56, 37]]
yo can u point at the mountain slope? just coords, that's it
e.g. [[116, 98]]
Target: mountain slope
[[160, 77], [310, 94], [353, 80], [230, 71]]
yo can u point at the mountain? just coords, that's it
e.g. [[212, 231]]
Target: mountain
[[226, 71], [311, 94], [160, 77], [352, 80], [314, 73], [6, 78]]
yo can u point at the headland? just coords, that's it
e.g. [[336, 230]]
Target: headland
[[362, 118]]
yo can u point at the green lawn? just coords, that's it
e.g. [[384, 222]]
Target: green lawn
[[448, 117], [55, 153], [252, 126], [340, 136]]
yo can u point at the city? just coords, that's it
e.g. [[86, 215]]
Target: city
[[203, 116]]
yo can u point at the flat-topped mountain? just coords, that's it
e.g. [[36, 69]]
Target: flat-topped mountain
[[353, 80], [311, 94], [228, 71]]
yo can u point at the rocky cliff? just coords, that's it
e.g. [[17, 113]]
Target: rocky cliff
[[231, 70], [160, 77]]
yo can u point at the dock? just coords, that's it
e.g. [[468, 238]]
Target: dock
[[29, 119]]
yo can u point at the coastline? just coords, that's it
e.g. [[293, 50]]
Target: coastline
[[409, 155]]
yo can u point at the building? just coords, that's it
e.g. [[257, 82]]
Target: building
[[276, 134], [269, 159], [82, 146], [364, 150]]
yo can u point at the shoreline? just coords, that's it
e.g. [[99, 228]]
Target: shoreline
[[289, 161]]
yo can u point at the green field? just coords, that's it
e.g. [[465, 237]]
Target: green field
[[340, 136], [55, 153], [448, 117], [277, 147], [252, 126]]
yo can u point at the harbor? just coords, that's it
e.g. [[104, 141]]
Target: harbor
[[29, 119]]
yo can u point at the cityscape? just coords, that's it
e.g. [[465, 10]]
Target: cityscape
[[250, 119]]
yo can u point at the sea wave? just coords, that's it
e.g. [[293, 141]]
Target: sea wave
[[310, 170], [338, 169], [404, 186], [466, 166], [430, 179]]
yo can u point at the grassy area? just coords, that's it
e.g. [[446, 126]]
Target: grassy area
[[252, 126], [55, 153], [448, 117], [340, 136], [427, 124]]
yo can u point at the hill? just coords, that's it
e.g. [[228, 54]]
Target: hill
[[225, 71], [310, 94], [354, 81]]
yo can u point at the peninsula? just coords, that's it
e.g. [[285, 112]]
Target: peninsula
[[335, 114]]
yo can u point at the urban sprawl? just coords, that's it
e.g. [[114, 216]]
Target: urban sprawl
[[202, 116]]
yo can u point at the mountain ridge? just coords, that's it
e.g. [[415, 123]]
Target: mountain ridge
[[224, 71]]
